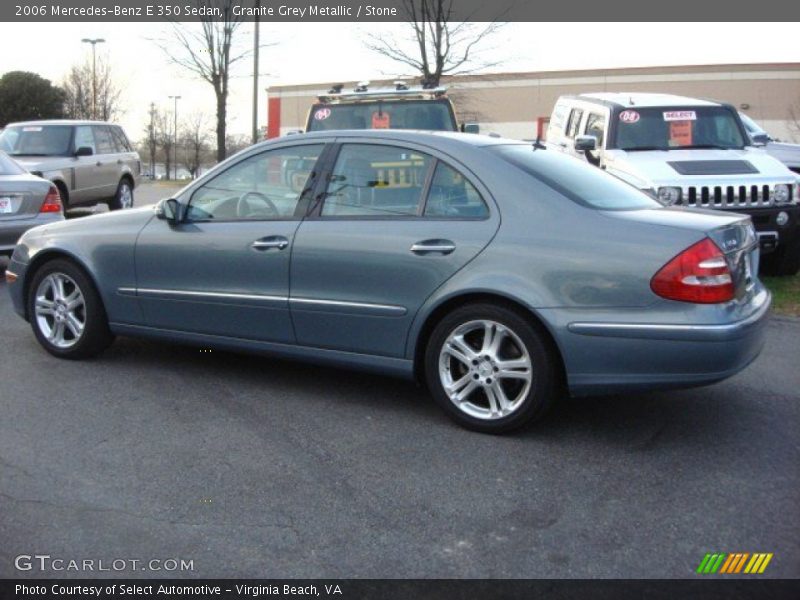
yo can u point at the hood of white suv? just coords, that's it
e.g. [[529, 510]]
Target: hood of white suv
[[652, 167]]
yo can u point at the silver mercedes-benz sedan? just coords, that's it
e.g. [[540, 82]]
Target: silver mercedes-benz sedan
[[498, 273], [25, 202]]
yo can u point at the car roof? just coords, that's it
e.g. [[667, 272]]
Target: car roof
[[431, 138], [59, 122], [644, 100]]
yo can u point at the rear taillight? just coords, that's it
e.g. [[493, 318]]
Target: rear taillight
[[699, 274], [52, 202]]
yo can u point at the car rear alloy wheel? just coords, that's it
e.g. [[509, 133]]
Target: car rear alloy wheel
[[124, 196], [66, 312], [490, 368], [60, 310], [485, 369]]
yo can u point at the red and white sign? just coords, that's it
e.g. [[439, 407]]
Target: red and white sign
[[322, 114], [380, 120], [629, 116], [680, 115]]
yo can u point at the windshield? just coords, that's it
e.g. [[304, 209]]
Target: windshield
[[578, 181], [667, 128], [37, 140], [8, 166], [434, 115]]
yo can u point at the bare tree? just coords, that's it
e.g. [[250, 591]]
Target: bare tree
[[194, 139], [437, 46], [78, 91], [165, 136], [237, 142], [209, 50]]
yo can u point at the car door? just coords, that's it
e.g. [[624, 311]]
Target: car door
[[106, 161], [224, 270], [87, 178], [394, 223]]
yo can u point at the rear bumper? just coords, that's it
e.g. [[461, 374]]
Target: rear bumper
[[11, 231], [610, 357]]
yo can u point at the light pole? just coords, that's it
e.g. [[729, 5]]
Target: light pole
[[176, 98], [255, 75], [94, 42]]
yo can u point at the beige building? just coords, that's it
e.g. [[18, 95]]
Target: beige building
[[517, 105]]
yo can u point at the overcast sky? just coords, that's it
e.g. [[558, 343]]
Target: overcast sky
[[321, 52]]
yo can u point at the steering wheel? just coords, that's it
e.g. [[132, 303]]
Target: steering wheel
[[243, 204]]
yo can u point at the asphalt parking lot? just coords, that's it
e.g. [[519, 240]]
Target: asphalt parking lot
[[255, 467]]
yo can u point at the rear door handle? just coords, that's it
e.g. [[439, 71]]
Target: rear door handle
[[433, 247], [268, 243]]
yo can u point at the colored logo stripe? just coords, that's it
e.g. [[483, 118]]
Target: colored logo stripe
[[734, 563]]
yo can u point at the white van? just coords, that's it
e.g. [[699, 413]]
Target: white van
[[686, 152]]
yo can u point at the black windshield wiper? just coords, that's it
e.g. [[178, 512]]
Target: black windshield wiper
[[644, 148], [707, 147]]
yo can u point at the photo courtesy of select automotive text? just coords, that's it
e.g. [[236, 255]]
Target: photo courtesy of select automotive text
[[399, 299]]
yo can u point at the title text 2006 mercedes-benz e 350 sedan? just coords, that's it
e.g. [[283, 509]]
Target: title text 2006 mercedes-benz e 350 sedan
[[496, 272]]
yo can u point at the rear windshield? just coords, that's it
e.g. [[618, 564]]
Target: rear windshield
[[37, 140], [434, 115], [578, 181], [8, 166]]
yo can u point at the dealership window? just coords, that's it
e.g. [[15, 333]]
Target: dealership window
[[376, 181], [266, 186], [451, 195]]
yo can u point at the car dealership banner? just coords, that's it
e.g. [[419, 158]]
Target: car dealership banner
[[395, 10]]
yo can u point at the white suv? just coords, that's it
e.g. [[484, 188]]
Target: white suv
[[686, 152]]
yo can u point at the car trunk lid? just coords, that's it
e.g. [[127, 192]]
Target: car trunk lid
[[21, 197]]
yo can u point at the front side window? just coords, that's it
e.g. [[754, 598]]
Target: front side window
[[376, 181], [451, 195], [596, 126], [267, 186], [669, 128]]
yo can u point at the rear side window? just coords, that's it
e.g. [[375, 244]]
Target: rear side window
[[376, 181], [451, 195], [8, 166], [105, 143], [578, 181]]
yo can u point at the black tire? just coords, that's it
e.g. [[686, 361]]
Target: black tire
[[543, 383], [783, 262], [124, 190], [95, 336]]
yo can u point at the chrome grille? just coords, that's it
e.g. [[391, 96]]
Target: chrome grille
[[730, 196]]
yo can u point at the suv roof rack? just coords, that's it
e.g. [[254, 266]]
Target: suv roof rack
[[400, 91]]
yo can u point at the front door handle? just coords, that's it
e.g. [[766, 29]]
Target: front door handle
[[268, 243], [433, 247]]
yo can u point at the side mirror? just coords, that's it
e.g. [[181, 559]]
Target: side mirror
[[84, 151], [470, 128], [585, 142], [760, 139], [168, 210]]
